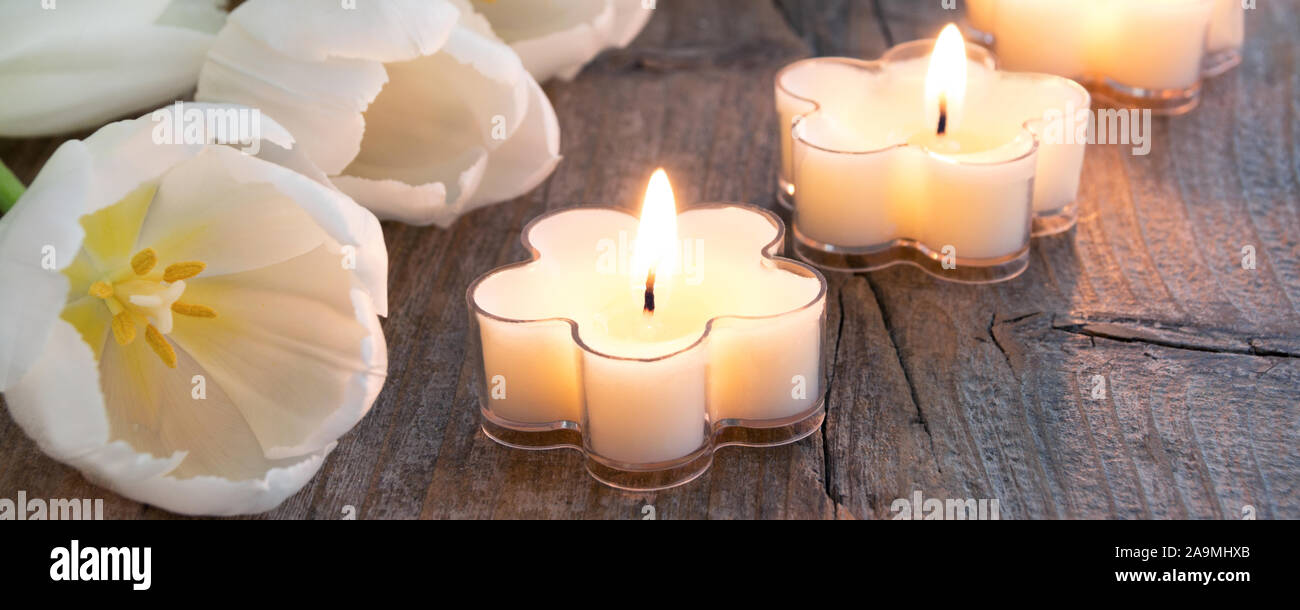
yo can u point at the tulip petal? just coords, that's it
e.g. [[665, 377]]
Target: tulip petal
[[552, 39], [30, 23], [111, 235], [85, 63], [58, 401], [125, 156], [404, 121], [301, 311], [423, 204], [317, 66], [148, 479], [200, 15], [384, 31], [349, 225], [306, 185], [201, 213], [38, 237], [555, 40], [92, 319], [630, 17], [163, 411], [60, 405], [319, 102], [526, 159], [429, 132], [120, 468]]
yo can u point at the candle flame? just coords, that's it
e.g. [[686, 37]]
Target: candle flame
[[945, 81], [655, 254]]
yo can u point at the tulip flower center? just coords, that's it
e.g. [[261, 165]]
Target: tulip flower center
[[142, 296]]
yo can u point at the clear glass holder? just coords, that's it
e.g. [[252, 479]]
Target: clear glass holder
[[1220, 62], [862, 204], [1053, 222], [1161, 102], [657, 475], [911, 252], [785, 193], [728, 354]]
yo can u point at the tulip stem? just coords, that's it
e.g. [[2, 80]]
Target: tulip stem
[[10, 188]]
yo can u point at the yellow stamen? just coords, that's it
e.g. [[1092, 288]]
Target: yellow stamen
[[144, 261], [101, 290], [176, 272], [123, 328], [192, 310], [160, 346]]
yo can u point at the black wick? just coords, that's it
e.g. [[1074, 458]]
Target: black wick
[[943, 114], [650, 291]]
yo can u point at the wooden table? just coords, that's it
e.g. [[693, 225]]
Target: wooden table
[[954, 391]]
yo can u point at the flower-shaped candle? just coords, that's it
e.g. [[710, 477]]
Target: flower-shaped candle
[[649, 358], [937, 159], [1150, 54]]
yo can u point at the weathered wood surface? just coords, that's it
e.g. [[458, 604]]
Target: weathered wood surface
[[955, 391]]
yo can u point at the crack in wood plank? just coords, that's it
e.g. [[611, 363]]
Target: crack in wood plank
[[890, 329], [1136, 330], [827, 459]]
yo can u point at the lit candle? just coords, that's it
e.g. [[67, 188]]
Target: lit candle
[[1148, 53], [930, 158], [649, 360]]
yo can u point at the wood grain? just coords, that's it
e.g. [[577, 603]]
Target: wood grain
[[955, 391]]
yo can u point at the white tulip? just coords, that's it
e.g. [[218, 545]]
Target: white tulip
[[556, 38], [186, 324], [412, 107], [68, 65]]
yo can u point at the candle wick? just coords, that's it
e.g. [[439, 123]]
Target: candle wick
[[943, 115], [650, 291]]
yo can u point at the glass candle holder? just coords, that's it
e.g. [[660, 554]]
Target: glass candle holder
[[555, 371], [871, 194], [1226, 36], [1151, 55]]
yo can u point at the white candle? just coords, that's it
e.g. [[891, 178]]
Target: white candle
[[1149, 52], [1046, 36], [796, 86], [1155, 45], [873, 174], [651, 367]]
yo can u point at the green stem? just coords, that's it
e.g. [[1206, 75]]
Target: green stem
[[10, 188]]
